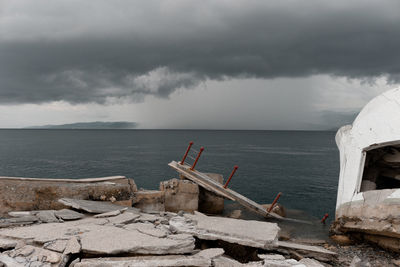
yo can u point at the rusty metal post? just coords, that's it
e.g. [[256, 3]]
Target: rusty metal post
[[274, 202], [230, 177], [324, 218], [187, 152], [197, 158]]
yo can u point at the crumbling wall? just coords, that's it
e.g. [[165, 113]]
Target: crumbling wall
[[180, 195], [150, 200], [18, 194]]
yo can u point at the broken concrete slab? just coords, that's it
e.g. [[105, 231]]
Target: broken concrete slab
[[123, 218], [315, 252], [6, 243], [46, 216], [90, 206], [180, 195], [112, 241], [19, 213], [68, 215], [30, 255], [42, 233], [56, 245], [150, 200], [248, 233], [203, 258], [24, 220], [18, 194], [73, 246], [145, 217], [110, 213]]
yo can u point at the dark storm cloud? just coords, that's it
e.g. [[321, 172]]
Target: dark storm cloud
[[84, 51]]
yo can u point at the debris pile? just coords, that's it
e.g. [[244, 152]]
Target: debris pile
[[96, 233]]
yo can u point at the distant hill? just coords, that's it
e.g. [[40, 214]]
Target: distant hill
[[90, 125]]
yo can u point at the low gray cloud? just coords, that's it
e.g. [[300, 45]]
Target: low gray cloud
[[96, 51]]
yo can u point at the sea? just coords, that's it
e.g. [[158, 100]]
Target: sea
[[302, 165]]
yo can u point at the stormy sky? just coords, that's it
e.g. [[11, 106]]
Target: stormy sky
[[195, 64]]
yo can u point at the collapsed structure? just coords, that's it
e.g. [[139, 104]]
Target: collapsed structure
[[368, 200]]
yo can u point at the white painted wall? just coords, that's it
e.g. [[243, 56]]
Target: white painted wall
[[377, 123]]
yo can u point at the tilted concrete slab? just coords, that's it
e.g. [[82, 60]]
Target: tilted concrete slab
[[248, 233]]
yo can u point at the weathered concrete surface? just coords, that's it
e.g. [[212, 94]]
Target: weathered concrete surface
[[210, 202], [203, 258], [180, 195], [42, 194], [90, 206], [46, 216], [106, 240], [148, 229], [98, 236], [248, 233], [150, 200]]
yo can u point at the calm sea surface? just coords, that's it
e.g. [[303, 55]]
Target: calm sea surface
[[302, 165]]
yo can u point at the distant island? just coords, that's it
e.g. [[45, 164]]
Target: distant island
[[90, 125]]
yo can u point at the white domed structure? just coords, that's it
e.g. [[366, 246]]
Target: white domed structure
[[369, 182]]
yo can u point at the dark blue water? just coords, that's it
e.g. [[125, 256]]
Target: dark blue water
[[302, 165]]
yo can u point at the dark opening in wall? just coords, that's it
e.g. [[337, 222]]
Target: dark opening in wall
[[381, 169]]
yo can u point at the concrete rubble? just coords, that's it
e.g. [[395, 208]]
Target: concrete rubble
[[114, 224], [126, 237]]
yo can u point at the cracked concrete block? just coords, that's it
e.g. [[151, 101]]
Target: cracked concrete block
[[150, 200], [180, 195]]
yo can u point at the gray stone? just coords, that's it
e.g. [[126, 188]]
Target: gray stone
[[7, 243], [112, 241], [31, 253], [56, 245], [248, 233], [210, 253], [9, 261], [46, 216], [68, 215], [73, 246], [90, 206], [283, 263]]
